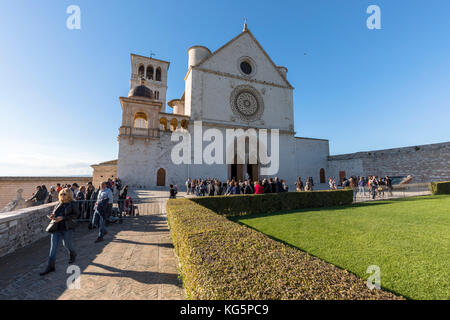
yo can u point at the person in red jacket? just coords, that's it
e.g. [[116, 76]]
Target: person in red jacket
[[129, 207], [258, 188]]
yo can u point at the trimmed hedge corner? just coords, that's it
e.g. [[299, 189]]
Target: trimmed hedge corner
[[221, 259], [274, 202], [440, 187]]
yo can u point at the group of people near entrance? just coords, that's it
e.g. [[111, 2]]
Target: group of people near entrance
[[214, 187], [375, 185], [72, 202], [307, 186]]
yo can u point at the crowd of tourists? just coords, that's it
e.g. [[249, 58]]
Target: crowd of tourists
[[215, 187], [376, 185], [76, 203]]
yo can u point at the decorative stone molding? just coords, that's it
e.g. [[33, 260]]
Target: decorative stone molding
[[229, 75]]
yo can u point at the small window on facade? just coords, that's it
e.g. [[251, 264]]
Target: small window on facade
[[246, 67]]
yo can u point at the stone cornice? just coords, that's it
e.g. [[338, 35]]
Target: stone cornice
[[229, 75], [175, 115], [149, 58], [155, 103], [216, 124], [305, 138]]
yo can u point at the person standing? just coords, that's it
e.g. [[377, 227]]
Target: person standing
[[38, 197], [92, 201], [236, 189], [389, 184], [101, 210], [362, 191], [188, 185], [353, 186], [81, 199], [259, 189], [53, 195], [285, 187], [89, 191], [63, 216], [122, 197], [374, 186], [299, 184], [173, 192]]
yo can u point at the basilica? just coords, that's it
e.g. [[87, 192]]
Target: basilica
[[238, 86]]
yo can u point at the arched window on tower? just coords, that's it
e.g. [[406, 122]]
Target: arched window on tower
[[163, 123], [150, 72], [158, 74], [141, 71], [322, 175], [173, 124], [140, 120], [157, 95]]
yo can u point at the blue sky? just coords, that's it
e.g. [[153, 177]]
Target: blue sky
[[361, 89]]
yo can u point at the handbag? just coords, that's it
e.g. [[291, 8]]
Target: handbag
[[52, 227]]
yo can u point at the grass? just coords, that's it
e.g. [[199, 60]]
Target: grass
[[409, 239]]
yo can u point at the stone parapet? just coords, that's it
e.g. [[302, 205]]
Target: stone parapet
[[23, 227]]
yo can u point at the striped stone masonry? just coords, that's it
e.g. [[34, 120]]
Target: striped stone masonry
[[23, 227]]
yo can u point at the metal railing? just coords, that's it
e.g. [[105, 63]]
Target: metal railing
[[138, 206], [397, 191]]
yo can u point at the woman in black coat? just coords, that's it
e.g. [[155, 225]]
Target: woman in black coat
[[64, 214]]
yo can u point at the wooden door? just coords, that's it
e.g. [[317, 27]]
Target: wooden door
[[161, 178], [341, 176]]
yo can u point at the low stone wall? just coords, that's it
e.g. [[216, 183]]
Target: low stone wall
[[425, 163], [23, 227], [10, 185]]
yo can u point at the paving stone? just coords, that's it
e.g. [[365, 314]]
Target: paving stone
[[136, 261]]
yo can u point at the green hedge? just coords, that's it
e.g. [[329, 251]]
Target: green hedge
[[440, 187], [274, 202], [221, 259]]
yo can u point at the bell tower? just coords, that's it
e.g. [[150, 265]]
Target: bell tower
[[153, 72]]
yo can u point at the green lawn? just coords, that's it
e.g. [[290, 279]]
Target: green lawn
[[409, 239]]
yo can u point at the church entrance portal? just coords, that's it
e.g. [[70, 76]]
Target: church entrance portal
[[243, 171]]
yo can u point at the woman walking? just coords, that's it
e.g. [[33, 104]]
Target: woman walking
[[63, 215]]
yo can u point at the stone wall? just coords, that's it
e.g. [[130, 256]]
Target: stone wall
[[23, 227], [103, 172], [425, 163], [10, 185]]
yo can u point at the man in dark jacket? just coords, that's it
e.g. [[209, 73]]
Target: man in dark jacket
[[122, 197], [38, 196]]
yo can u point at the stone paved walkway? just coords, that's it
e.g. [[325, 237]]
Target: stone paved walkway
[[136, 261]]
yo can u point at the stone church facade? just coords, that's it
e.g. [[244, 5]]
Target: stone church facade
[[236, 87]]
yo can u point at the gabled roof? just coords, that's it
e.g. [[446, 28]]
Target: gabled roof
[[247, 31]]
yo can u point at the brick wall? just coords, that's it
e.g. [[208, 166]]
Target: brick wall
[[23, 227], [425, 163], [10, 185]]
